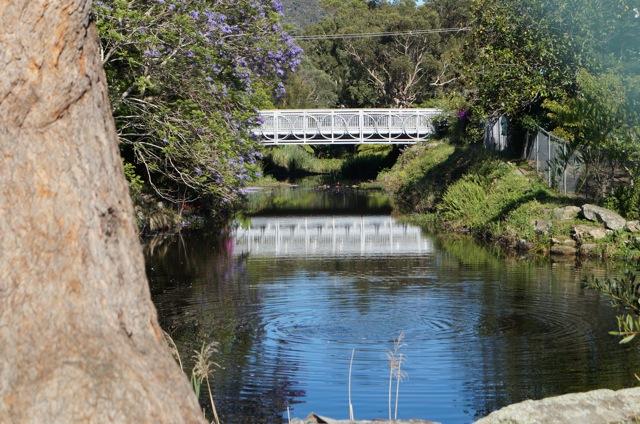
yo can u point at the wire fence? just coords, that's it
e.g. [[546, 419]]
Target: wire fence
[[554, 159]]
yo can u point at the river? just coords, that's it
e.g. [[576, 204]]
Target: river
[[309, 273]]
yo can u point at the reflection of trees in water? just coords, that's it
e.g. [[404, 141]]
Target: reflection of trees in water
[[317, 201], [540, 333], [203, 293]]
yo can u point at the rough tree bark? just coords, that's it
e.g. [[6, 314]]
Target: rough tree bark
[[79, 338]]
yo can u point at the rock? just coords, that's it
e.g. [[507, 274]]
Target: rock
[[581, 233], [566, 213], [632, 226], [589, 249], [318, 419], [542, 227], [611, 219], [565, 241], [595, 407], [523, 245], [562, 250]]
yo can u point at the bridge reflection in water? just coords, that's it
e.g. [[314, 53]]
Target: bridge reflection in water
[[330, 236]]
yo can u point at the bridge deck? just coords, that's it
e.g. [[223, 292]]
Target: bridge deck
[[345, 126]]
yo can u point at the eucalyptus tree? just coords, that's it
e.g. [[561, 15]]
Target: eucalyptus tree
[[79, 340], [398, 69]]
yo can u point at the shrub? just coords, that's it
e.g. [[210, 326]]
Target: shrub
[[625, 200]]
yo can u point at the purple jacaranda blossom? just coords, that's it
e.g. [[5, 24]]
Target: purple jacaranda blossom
[[463, 114], [153, 53], [277, 6]]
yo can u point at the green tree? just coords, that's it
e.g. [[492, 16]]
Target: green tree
[[602, 122], [393, 70], [309, 87]]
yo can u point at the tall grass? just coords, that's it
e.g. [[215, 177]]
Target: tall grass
[[351, 416], [489, 193], [396, 358], [203, 367]]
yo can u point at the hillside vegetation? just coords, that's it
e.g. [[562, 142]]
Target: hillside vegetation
[[466, 189]]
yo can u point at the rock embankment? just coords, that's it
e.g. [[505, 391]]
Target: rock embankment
[[595, 407], [598, 224]]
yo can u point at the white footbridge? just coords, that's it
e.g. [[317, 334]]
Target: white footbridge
[[345, 126]]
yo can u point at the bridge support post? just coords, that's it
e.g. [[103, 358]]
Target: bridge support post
[[333, 126], [275, 127], [305, 124]]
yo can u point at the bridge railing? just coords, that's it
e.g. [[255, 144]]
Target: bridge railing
[[345, 126]]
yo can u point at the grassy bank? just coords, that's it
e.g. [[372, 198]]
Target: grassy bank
[[466, 189]]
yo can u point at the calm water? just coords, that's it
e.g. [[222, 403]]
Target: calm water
[[313, 274]]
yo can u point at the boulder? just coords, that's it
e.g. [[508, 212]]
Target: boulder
[[581, 233], [566, 213], [565, 241], [632, 226], [595, 407], [611, 219], [542, 227], [523, 245], [562, 250], [318, 419], [589, 249]]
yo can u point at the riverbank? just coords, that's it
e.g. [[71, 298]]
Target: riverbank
[[465, 189]]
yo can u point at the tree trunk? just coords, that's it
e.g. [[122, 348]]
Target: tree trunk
[[79, 337]]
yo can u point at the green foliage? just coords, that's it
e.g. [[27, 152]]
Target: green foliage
[[310, 88], [602, 121], [624, 293], [521, 54], [626, 200], [519, 223], [136, 183], [514, 58], [458, 123]]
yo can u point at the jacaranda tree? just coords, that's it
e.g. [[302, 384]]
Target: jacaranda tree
[[185, 81]]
